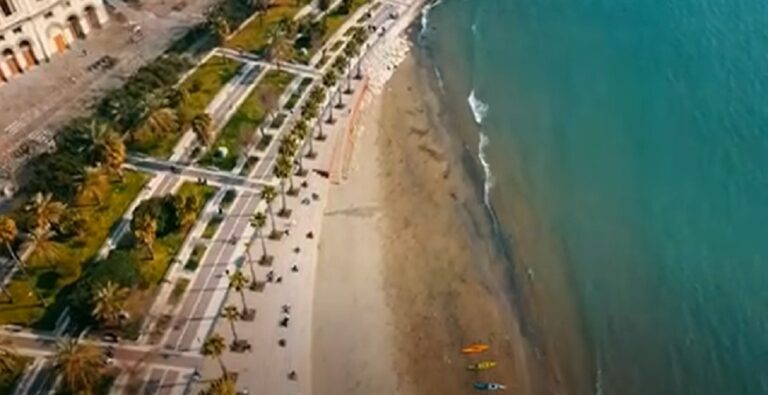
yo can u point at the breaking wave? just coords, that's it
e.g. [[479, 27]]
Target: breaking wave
[[479, 109], [425, 15]]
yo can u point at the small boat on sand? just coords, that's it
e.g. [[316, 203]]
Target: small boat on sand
[[484, 365], [475, 348], [483, 386]]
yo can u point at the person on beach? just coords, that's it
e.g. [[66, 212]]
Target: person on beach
[[295, 269]]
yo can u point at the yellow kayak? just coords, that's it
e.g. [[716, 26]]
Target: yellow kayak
[[484, 365], [475, 348]]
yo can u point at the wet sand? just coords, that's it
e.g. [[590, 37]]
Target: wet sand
[[407, 274]]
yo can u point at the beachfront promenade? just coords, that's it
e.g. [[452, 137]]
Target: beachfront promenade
[[166, 365]]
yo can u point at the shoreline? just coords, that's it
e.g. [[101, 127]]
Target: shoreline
[[420, 271]]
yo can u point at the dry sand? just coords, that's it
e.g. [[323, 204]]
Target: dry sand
[[405, 276]]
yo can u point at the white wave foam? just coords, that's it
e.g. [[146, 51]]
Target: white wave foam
[[425, 16], [440, 82], [479, 109], [489, 179]]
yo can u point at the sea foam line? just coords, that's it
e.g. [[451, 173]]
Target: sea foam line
[[425, 16], [489, 179]]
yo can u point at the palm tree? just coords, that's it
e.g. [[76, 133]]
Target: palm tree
[[257, 222], [282, 171], [238, 281], [269, 194], [202, 125], [213, 347], [44, 211], [145, 232], [8, 234], [249, 261], [79, 365], [158, 116], [285, 160], [329, 80], [114, 153], [224, 385], [9, 356], [93, 185], [290, 148], [231, 314], [108, 302], [39, 242], [301, 129], [220, 26], [96, 132]]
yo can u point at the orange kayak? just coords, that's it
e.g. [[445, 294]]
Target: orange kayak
[[475, 348]]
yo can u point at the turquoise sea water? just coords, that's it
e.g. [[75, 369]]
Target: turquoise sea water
[[635, 133]]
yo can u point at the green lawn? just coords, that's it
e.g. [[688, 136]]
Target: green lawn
[[244, 123], [65, 268], [152, 271], [195, 257], [178, 291], [8, 379], [296, 95], [253, 37], [205, 82], [201, 87], [212, 227], [166, 247]]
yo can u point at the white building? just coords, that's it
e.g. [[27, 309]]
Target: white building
[[33, 31]]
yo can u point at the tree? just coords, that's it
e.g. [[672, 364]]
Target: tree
[[158, 117], [9, 357], [202, 125], [44, 211], [145, 232], [224, 385], [79, 365], [8, 234], [301, 129], [324, 4], [282, 171], [219, 26], [329, 80], [113, 153], [269, 99], [238, 281], [213, 347], [345, 7], [289, 148], [109, 302], [257, 223], [285, 161], [278, 46], [39, 242], [186, 211], [93, 185], [269, 194], [231, 314]]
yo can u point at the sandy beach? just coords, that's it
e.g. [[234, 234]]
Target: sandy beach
[[406, 275]]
